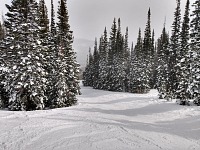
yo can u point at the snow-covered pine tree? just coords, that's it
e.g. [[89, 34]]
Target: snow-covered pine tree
[[182, 71], [154, 60], [174, 51], [111, 52], [141, 66], [52, 58], [95, 66], [118, 61], [43, 19], [24, 56], [194, 80], [88, 73], [68, 69], [46, 39], [162, 79], [148, 52], [138, 74], [127, 59], [103, 60], [3, 69]]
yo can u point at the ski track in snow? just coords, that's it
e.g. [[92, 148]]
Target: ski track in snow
[[104, 121]]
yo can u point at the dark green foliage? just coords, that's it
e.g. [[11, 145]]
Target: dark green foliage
[[25, 81], [38, 67], [2, 31], [194, 80], [183, 63], [88, 73], [67, 79], [162, 79], [103, 61], [95, 66], [174, 51], [43, 18]]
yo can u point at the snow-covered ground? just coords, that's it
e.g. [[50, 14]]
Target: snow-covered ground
[[104, 121]]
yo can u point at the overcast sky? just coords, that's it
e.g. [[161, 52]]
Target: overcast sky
[[89, 17]]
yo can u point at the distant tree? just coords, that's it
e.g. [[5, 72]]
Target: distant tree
[[118, 62], [127, 60], [111, 52], [88, 73], [162, 79], [103, 60], [143, 59], [95, 68]]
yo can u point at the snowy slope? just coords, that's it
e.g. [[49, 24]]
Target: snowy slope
[[104, 121]]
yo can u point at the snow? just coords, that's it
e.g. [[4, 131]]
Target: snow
[[104, 120]]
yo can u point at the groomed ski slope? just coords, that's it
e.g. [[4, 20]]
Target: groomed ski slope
[[104, 121]]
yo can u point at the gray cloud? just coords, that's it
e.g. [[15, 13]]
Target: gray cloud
[[89, 17]]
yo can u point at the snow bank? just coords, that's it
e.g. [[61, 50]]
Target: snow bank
[[104, 121]]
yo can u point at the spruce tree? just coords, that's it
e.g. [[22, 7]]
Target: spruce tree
[[68, 68], [183, 72], [88, 73], [25, 56], [43, 18], [127, 60], [138, 76], [52, 61], [162, 78], [111, 52], [142, 64], [174, 51], [95, 67], [103, 60], [194, 80], [118, 61]]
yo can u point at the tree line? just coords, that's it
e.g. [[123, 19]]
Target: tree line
[[38, 67], [171, 63]]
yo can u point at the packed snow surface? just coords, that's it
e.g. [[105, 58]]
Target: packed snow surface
[[104, 121]]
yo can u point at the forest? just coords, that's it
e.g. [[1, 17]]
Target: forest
[[38, 67], [170, 64]]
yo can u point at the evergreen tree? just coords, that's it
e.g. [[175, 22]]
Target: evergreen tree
[[111, 52], [194, 80], [174, 51], [24, 55], [103, 60], [43, 18], [162, 79], [127, 61], [138, 76], [52, 28], [183, 59], [141, 66], [153, 61], [88, 73], [95, 67], [118, 62], [68, 68], [147, 42]]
